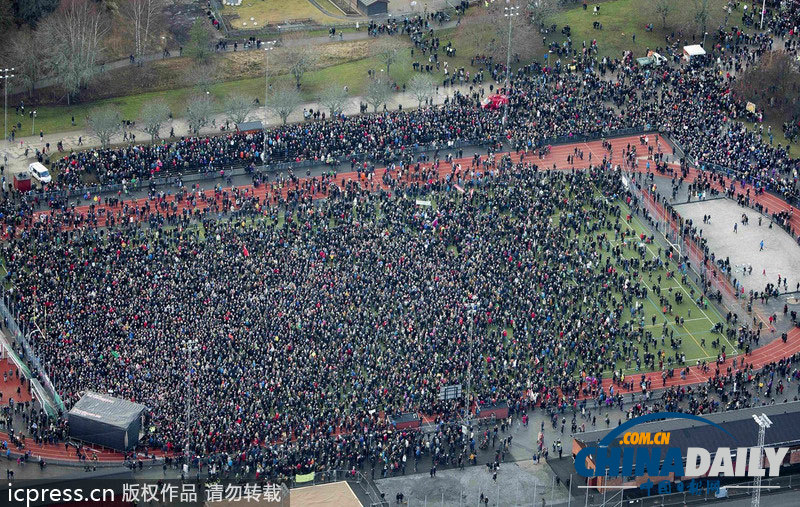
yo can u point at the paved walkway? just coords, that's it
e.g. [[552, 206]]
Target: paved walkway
[[10, 385], [17, 161]]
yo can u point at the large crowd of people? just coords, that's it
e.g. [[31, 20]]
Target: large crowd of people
[[309, 328], [292, 327], [693, 104]]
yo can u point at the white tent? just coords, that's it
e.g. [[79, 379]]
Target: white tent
[[690, 52]]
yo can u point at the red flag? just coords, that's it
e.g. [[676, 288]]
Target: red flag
[[245, 252]]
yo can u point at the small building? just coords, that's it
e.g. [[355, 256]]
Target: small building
[[693, 51], [406, 421], [373, 7], [104, 420], [785, 432], [250, 127]]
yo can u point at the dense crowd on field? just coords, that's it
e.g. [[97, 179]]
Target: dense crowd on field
[[294, 335], [321, 322], [293, 327]]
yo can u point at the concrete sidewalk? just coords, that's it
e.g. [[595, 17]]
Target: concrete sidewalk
[[18, 162]]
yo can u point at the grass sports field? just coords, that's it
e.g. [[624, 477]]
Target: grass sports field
[[695, 333]]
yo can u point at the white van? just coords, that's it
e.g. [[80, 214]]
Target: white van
[[40, 173], [658, 60]]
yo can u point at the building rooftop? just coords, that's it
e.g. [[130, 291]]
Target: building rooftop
[[785, 429]]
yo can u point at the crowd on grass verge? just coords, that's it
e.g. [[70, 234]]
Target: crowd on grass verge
[[315, 320], [693, 104]]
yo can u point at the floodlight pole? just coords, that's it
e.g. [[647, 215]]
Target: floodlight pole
[[270, 45], [569, 492], [5, 76], [763, 423], [189, 346], [468, 405], [509, 12]]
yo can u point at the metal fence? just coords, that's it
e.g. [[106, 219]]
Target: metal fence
[[756, 182], [9, 310], [595, 136], [216, 7], [670, 225], [208, 174]]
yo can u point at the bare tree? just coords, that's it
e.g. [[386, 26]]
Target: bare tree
[[537, 11], [144, 19], [6, 14], [477, 30], [377, 93], [333, 97], [105, 122], [421, 87], [28, 58], [153, 116], [73, 37], [701, 15], [771, 83], [489, 32], [31, 11], [283, 101], [299, 57], [200, 75], [237, 107], [199, 110], [388, 52], [664, 8]]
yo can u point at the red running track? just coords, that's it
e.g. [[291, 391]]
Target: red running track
[[558, 158]]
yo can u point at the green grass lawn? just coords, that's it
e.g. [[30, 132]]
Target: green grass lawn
[[623, 18], [353, 74], [273, 12], [695, 332], [777, 132], [698, 320]]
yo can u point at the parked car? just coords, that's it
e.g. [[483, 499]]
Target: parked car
[[40, 173]]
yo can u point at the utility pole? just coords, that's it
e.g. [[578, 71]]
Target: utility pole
[[763, 423], [586, 501], [763, 11], [5, 76], [569, 492], [188, 348], [471, 311], [509, 12], [468, 407], [270, 45]]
